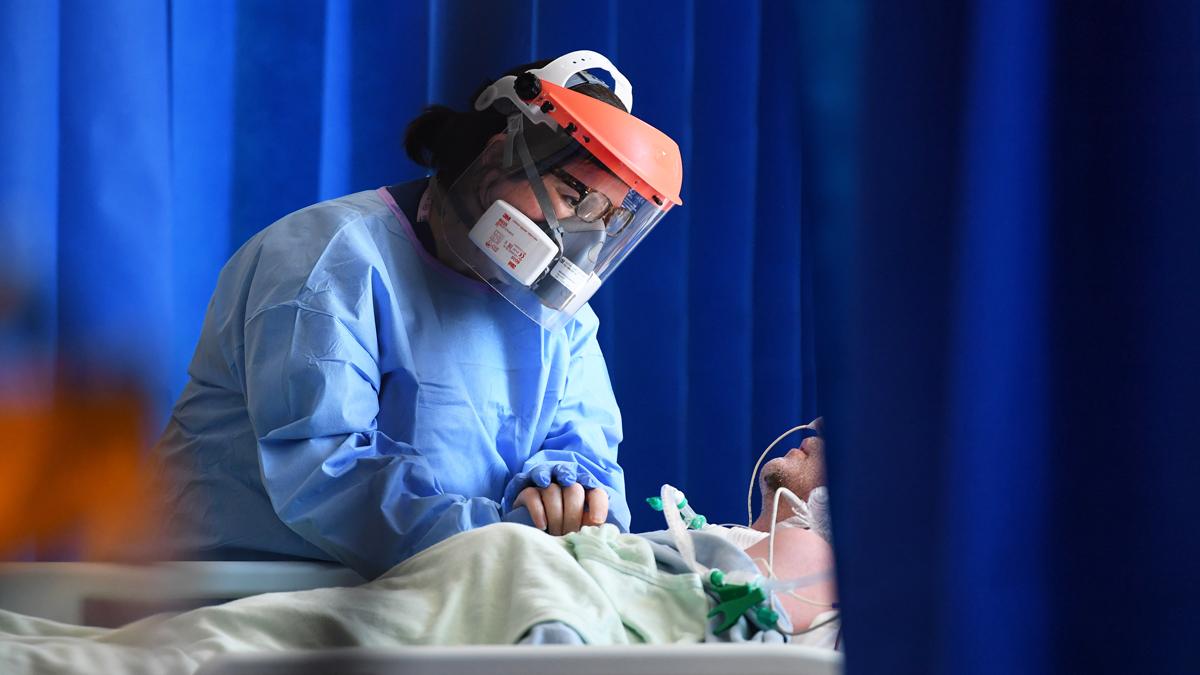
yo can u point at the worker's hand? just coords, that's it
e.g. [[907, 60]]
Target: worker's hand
[[597, 507], [560, 510], [560, 497]]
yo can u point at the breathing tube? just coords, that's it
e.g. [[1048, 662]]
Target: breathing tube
[[740, 591]]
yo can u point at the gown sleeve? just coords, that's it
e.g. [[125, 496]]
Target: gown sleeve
[[312, 393], [581, 445]]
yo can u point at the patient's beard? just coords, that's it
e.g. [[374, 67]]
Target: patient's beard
[[773, 479], [777, 473]]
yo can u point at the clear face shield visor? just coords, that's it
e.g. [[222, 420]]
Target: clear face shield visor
[[543, 221]]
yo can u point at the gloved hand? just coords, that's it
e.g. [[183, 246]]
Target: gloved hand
[[560, 497], [818, 513], [813, 513]]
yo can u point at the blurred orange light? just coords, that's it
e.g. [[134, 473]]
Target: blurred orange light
[[75, 467]]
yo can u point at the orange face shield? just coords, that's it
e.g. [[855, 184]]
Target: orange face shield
[[547, 212]]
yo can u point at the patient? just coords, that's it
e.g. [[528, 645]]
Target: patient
[[802, 542]]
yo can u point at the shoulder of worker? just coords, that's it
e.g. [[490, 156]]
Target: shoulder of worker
[[582, 331], [331, 233], [321, 254]]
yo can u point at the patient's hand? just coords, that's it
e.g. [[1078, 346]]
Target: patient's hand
[[799, 553], [560, 510]]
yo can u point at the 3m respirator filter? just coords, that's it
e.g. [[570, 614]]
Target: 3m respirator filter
[[514, 242]]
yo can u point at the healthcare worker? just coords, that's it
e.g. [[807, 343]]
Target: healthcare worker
[[381, 371]]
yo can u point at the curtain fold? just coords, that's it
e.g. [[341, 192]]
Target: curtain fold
[[998, 337], [202, 59], [114, 190], [29, 185]]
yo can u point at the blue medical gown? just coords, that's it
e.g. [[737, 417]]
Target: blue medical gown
[[353, 399]]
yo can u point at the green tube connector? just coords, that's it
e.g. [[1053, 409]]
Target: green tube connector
[[693, 520], [767, 617], [736, 599]]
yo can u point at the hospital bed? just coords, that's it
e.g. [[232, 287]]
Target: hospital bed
[[104, 594], [699, 659], [110, 595]]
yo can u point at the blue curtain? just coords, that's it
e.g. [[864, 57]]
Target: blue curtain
[[997, 266], [145, 141], [1017, 373]]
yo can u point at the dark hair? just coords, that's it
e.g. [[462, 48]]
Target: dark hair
[[447, 140]]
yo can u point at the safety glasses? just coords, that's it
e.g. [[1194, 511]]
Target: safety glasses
[[591, 205]]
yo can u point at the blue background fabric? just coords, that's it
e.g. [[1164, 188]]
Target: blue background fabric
[[980, 217], [145, 141], [1007, 331]]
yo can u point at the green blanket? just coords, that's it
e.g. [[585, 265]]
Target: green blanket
[[487, 586]]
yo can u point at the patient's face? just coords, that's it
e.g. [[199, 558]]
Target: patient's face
[[801, 470]]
